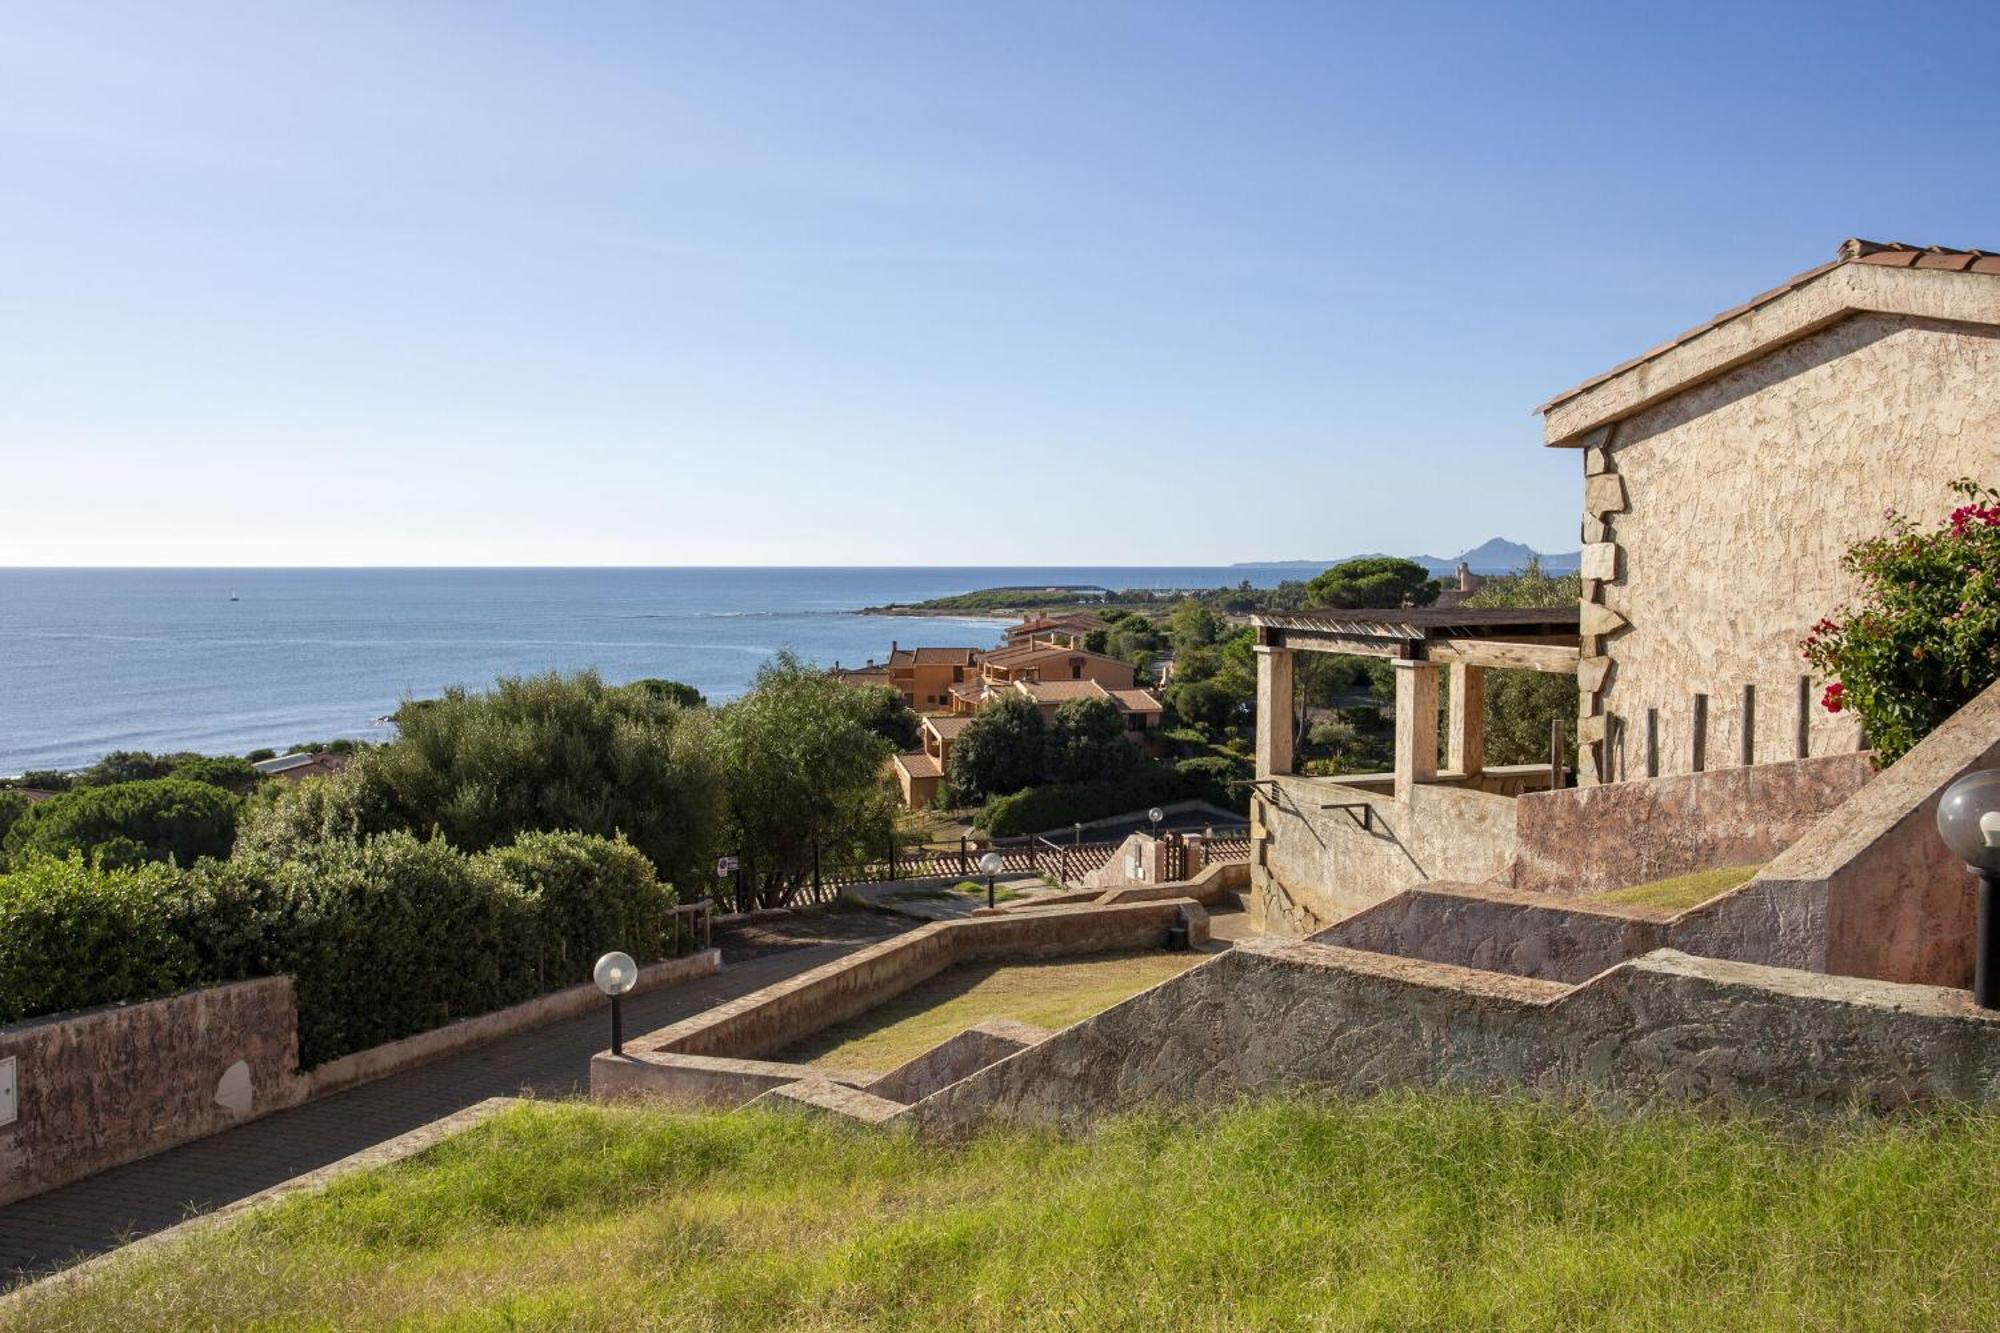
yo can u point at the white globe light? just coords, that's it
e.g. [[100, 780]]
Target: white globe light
[[1968, 819], [1156, 814], [615, 973], [992, 863]]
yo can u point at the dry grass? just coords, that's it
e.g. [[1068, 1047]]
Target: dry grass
[[1052, 995], [1681, 891], [1408, 1211]]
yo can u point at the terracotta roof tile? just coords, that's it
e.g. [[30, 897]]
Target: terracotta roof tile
[[919, 765], [1061, 691], [935, 657], [948, 725]]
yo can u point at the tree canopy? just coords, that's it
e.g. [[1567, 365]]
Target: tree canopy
[[1371, 582]]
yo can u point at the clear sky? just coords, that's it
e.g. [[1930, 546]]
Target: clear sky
[[737, 283]]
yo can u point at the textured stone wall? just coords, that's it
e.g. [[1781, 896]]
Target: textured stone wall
[[1312, 866], [1270, 1015], [105, 1086], [1584, 840], [1870, 890], [1502, 930], [1716, 519]]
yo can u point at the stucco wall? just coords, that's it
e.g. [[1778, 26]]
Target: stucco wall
[[1584, 840], [108, 1085], [1740, 496], [1310, 867], [1502, 930]]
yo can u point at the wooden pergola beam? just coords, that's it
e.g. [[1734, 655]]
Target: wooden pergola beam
[[1555, 657]]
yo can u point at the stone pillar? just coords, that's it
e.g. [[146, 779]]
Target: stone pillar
[[1274, 711], [1416, 724], [1465, 732]]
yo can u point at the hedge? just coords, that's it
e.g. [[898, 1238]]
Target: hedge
[[383, 937], [1057, 806], [126, 823]]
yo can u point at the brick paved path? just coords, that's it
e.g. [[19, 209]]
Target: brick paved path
[[100, 1212]]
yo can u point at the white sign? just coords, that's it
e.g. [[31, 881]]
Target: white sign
[[725, 864], [10, 1101]]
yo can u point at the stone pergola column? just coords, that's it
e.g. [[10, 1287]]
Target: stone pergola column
[[1465, 730], [1274, 710], [1416, 724]]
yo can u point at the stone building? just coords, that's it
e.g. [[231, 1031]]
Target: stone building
[[1727, 470], [1726, 473]]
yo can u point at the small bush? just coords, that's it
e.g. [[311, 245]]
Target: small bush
[[129, 822], [226, 772], [592, 894], [1062, 804], [73, 937]]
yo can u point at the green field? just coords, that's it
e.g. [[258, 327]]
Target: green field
[[1401, 1212]]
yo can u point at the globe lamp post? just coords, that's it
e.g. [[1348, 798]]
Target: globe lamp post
[[615, 974], [1968, 820], [992, 864]]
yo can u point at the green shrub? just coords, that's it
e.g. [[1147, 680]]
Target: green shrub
[[73, 936], [225, 771], [129, 822], [383, 937], [1926, 638], [12, 806], [591, 894], [288, 816], [1061, 804]]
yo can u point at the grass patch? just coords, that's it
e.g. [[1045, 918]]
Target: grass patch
[[1404, 1211], [1681, 891], [1051, 994], [965, 888]]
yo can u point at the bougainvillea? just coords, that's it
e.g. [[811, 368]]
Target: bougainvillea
[[1925, 636]]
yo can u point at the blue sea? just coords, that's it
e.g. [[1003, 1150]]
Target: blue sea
[[162, 659]]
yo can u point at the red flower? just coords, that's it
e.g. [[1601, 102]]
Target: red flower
[[1835, 698]]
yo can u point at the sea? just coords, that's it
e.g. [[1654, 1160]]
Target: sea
[[224, 661]]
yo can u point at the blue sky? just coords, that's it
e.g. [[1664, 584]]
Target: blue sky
[[428, 283]]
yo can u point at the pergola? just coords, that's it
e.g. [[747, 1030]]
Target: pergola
[[1419, 642]]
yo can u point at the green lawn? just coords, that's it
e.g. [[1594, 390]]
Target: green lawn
[[1681, 891], [1050, 994], [1401, 1212]]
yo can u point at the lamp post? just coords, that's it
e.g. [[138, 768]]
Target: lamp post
[[1076, 838], [1156, 815], [992, 863], [1968, 820], [615, 974]]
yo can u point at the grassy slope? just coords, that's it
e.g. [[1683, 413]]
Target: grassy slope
[[1681, 891], [1401, 1212], [1051, 995]]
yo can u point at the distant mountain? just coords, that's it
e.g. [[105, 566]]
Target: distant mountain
[[1494, 556]]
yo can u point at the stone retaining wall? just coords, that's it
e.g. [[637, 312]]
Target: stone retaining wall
[[1502, 930], [771, 1019], [1270, 1015], [105, 1086], [1584, 840]]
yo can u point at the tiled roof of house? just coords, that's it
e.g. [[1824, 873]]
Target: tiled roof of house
[[1887, 254], [948, 725], [919, 765], [934, 657], [970, 689], [1137, 701], [1024, 653], [1061, 691], [1082, 621]]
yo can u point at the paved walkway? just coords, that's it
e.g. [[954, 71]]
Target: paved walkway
[[105, 1210]]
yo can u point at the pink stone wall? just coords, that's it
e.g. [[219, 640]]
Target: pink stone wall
[[1584, 840], [109, 1085]]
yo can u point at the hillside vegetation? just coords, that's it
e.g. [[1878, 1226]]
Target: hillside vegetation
[[1406, 1211]]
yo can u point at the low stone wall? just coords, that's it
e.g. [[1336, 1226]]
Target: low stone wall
[[1270, 1015], [1870, 891], [1211, 888], [1312, 866], [1584, 840], [1502, 930], [105, 1086], [952, 1059], [771, 1019]]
